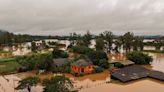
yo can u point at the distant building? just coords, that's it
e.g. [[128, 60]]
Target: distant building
[[82, 66], [61, 44]]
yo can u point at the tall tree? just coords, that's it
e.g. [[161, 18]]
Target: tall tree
[[162, 38], [108, 37], [158, 44], [118, 43], [99, 44], [128, 41], [138, 43], [33, 46], [73, 38], [87, 38], [80, 40]]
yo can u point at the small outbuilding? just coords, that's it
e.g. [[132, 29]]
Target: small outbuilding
[[82, 66], [123, 63], [60, 61]]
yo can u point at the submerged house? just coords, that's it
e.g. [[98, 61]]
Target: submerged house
[[82, 66], [135, 72]]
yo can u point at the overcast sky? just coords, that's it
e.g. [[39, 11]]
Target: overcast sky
[[60, 17]]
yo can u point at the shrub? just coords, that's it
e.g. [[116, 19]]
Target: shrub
[[96, 56], [118, 65], [81, 49], [98, 70], [104, 63], [139, 57], [61, 69], [78, 74], [59, 54], [36, 61]]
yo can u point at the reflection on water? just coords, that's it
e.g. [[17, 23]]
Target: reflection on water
[[9, 82], [93, 77], [158, 61]]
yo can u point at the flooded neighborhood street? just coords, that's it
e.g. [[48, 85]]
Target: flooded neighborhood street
[[95, 82]]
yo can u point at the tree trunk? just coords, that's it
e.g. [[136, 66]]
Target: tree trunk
[[29, 89]]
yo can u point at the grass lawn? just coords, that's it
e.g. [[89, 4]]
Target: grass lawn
[[8, 65], [7, 60]]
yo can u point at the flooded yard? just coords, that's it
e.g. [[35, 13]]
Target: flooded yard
[[145, 85], [95, 82]]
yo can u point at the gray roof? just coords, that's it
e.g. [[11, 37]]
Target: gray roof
[[157, 75], [125, 62], [82, 63], [60, 61], [136, 72]]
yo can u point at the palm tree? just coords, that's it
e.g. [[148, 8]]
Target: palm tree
[[87, 38], [128, 41], [108, 37], [72, 38], [118, 43], [99, 44], [138, 43]]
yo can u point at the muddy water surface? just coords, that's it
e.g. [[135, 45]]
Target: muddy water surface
[[158, 61], [96, 82]]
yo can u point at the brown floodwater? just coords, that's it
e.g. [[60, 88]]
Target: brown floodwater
[[158, 61], [144, 85], [94, 82], [147, 84]]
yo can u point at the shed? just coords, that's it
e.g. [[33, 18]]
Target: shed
[[60, 61], [124, 62]]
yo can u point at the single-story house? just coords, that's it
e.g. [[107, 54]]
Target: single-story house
[[82, 66], [60, 61]]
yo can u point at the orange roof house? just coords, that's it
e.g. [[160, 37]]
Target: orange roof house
[[82, 66]]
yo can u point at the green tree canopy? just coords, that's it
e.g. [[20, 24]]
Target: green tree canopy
[[104, 63], [27, 83], [108, 37], [139, 57], [128, 41], [57, 84], [96, 56], [81, 49], [36, 61], [59, 53], [87, 39], [100, 44]]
